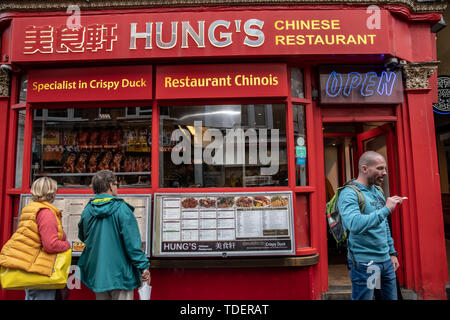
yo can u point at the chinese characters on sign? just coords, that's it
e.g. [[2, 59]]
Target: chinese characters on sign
[[48, 39]]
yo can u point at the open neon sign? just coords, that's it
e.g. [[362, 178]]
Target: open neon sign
[[339, 85], [372, 83]]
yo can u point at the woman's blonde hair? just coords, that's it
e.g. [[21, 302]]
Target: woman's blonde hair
[[43, 189]]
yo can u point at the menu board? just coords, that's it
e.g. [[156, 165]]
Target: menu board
[[221, 224], [72, 206]]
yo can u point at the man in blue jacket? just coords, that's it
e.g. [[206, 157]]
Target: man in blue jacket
[[112, 263], [371, 253]]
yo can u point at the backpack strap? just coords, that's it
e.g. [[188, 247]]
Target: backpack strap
[[361, 201], [380, 189], [362, 206]]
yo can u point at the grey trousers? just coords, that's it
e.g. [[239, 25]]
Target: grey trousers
[[115, 295]]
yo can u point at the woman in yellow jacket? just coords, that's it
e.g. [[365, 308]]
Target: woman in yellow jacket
[[38, 238]]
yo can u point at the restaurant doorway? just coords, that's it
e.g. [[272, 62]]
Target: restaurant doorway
[[343, 145]]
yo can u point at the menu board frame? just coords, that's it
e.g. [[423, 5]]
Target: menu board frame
[[245, 236], [25, 198]]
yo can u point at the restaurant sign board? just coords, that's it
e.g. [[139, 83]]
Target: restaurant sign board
[[221, 81], [219, 33], [90, 84]]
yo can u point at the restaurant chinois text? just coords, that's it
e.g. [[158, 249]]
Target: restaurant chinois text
[[226, 81]]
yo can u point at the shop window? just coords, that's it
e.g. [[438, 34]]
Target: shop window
[[23, 88], [70, 145], [297, 87], [131, 111], [57, 113], [301, 156], [19, 146], [223, 146], [302, 227]]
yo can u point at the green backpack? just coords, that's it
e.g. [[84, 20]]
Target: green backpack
[[333, 216]]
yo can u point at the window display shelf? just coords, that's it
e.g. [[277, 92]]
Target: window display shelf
[[91, 174]]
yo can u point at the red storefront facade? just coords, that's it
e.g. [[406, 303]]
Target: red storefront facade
[[159, 74]]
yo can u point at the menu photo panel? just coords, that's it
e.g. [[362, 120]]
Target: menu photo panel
[[223, 224], [72, 206]]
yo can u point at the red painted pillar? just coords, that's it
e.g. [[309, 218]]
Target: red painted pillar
[[319, 271], [4, 108], [427, 258]]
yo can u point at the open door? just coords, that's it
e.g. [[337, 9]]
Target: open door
[[343, 145], [381, 140]]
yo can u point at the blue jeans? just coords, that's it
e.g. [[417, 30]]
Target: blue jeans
[[40, 294], [369, 279]]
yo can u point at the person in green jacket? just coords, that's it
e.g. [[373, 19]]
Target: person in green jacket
[[112, 263]]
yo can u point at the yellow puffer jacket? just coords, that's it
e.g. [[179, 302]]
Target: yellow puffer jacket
[[24, 250]]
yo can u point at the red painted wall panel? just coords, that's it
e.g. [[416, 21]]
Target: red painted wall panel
[[427, 229], [412, 40], [302, 227], [422, 49], [402, 38], [226, 284], [6, 41]]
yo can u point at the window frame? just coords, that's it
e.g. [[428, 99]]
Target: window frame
[[71, 118], [219, 103], [311, 120]]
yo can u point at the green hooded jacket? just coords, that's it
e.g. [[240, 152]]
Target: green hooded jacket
[[113, 258]]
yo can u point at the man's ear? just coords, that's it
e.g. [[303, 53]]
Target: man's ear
[[364, 168]]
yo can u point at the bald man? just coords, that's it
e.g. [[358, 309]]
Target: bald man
[[371, 254]]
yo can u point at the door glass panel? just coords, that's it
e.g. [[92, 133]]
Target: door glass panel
[[297, 86], [378, 144]]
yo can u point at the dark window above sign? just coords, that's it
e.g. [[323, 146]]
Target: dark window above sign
[[360, 84]]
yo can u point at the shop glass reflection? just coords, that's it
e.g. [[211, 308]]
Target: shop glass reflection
[[19, 151], [223, 146]]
